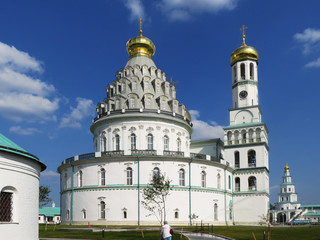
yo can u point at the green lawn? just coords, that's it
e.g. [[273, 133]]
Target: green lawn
[[137, 235], [276, 233], [236, 232]]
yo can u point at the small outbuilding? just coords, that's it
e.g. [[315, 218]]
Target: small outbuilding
[[19, 191], [49, 214]]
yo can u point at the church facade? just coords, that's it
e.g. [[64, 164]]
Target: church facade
[[141, 129]]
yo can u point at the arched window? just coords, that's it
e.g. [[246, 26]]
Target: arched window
[[129, 176], [125, 214], [133, 141], [181, 177], [244, 136], [117, 142], [166, 142], [80, 174], [218, 181], [215, 212], [150, 141], [6, 206], [118, 104], [68, 214], [134, 86], [146, 85], [234, 73], [236, 137], [102, 210], [176, 214], [104, 144], [252, 182], [258, 134], [242, 70], [102, 177], [84, 214], [237, 184], [163, 104], [252, 158], [179, 145], [229, 182], [250, 135], [203, 179], [132, 102], [96, 145], [229, 136], [148, 103], [156, 172], [251, 71], [236, 159]]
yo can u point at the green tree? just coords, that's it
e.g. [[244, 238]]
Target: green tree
[[44, 198], [155, 196]]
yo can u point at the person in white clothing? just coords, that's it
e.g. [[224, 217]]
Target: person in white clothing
[[165, 231]]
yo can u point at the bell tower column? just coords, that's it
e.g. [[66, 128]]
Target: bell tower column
[[246, 138]]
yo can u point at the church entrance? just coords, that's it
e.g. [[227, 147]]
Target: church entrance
[[281, 217]]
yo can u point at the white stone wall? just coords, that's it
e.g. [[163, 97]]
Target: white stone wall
[[141, 128], [119, 196], [20, 176]]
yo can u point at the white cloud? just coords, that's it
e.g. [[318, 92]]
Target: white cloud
[[310, 39], [315, 63], [27, 131], [10, 56], [136, 9], [203, 130], [84, 109], [186, 9], [19, 106], [22, 96], [49, 174], [11, 80]]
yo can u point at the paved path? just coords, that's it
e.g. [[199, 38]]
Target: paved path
[[204, 236]]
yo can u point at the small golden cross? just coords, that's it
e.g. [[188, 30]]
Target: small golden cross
[[243, 29], [172, 82], [140, 22]]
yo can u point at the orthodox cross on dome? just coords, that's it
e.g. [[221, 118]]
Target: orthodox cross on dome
[[172, 82], [140, 22], [243, 34]]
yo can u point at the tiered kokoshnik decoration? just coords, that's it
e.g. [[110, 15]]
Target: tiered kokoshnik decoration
[[141, 85]]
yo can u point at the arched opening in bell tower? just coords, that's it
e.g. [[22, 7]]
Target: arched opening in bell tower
[[252, 158]]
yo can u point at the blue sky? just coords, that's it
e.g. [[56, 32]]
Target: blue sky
[[57, 57]]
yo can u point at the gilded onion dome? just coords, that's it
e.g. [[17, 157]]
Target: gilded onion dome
[[286, 168], [244, 52], [140, 45]]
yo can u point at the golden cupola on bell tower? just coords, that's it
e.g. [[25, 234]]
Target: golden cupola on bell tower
[[244, 51], [140, 45]]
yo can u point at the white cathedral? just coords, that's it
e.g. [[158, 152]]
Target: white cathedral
[[141, 129]]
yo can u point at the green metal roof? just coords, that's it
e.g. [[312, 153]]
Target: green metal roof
[[9, 146], [49, 211], [317, 213], [6, 142], [246, 125], [310, 206]]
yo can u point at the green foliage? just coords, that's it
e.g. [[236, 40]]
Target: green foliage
[[155, 196], [44, 198]]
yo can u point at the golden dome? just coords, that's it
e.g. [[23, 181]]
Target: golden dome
[[286, 168], [244, 52], [140, 45]]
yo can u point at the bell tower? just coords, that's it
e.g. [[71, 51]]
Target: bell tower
[[246, 138]]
